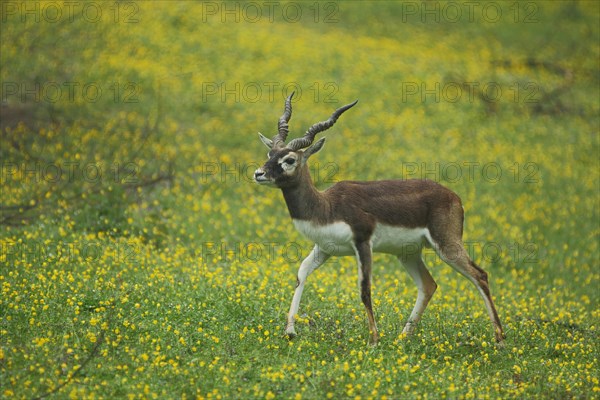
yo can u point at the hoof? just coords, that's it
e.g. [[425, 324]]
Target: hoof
[[374, 339], [290, 332], [500, 343], [408, 330], [500, 336]]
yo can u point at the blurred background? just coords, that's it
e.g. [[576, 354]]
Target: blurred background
[[127, 95], [129, 140]]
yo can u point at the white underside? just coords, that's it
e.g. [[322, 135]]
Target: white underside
[[337, 239]]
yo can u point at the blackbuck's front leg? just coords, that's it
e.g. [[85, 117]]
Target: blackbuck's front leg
[[364, 258], [314, 260]]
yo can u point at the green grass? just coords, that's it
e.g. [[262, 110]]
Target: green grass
[[138, 260]]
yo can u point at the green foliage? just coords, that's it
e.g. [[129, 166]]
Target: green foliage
[[138, 259]]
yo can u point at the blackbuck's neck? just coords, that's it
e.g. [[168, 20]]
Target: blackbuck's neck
[[304, 201]]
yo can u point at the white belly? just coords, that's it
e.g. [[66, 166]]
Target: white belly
[[337, 238], [399, 240], [334, 239]]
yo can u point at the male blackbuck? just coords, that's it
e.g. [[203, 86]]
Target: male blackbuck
[[397, 217]]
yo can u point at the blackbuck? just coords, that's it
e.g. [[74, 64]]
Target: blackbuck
[[397, 217]]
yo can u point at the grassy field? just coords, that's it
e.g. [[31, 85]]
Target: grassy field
[[139, 260]]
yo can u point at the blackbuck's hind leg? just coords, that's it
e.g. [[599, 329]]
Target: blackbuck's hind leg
[[426, 287], [364, 258], [314, 260], [456, 256]]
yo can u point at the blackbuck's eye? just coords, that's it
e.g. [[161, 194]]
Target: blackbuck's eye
[[290, 161]]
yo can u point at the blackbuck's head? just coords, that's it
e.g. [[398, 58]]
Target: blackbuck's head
[[287, 163]]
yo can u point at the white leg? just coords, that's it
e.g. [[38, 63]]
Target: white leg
[[310, 263], [426, 287]]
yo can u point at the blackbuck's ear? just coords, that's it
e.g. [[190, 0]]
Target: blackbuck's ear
[[314, 148], [268, 142]]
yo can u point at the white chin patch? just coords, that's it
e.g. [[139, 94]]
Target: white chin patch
[[266, 182]]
